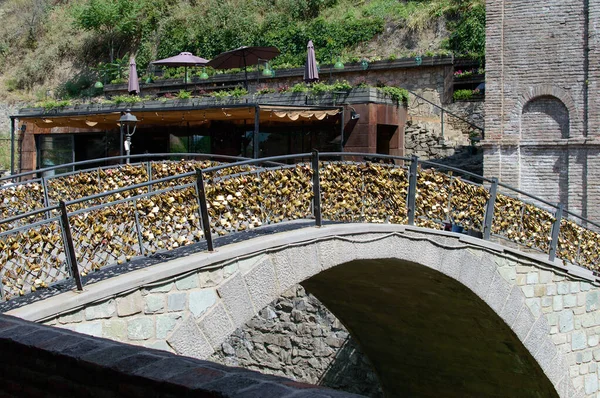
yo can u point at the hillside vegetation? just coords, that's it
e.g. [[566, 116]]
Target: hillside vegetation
[[55, 46]]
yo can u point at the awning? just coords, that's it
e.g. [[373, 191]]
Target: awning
[[108, 121]]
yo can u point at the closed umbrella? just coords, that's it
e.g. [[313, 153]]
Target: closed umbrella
[[311, 74], [184, 59], [133, 86], [242, 57]]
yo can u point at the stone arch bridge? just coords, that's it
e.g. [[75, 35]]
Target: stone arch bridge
[[433, 310]]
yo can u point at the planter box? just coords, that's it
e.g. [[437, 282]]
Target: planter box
[[354, 96]]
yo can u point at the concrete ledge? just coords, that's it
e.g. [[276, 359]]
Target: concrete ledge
[[44, 361]]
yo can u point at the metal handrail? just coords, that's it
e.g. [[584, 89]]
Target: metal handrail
[[450, 113], [113, 158], [205, 222]]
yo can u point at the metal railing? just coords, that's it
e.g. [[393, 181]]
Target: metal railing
[[81, 235]]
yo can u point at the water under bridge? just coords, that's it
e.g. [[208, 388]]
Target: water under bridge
[[179, 255]]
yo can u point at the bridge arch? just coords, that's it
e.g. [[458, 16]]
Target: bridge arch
[[223, 290]]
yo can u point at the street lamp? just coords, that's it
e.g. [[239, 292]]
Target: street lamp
[[128, 124]]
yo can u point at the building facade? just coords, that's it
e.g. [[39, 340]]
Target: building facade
[[542, 107]]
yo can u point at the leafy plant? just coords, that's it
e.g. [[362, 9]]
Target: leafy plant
[[299, 88], [265, 90], [52, 104], [182, 94], [341, 85], [463, 95], [397, 94], [126, 99], [238, 92]]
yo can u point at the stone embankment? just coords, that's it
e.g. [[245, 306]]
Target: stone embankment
[[296, 336]]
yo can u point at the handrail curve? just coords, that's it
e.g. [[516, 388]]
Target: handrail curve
[[95, 227]]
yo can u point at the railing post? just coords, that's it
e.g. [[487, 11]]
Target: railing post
[[316, 188], [138, 228], [69, 248], [555, 232], [489, 210], [442, 121], [46, 200], [204, 210], [412, 189], [149, 171]]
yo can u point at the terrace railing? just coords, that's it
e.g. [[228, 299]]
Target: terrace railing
[[79, 235]]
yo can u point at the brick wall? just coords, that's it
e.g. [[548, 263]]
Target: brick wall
[[542, 93]]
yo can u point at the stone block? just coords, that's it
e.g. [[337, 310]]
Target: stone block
[[236, 299], [514, 303], [202, 300], [334, 252], [535, 306], [591, 383], [188, 340], [217, 325], [140, 328], [557, 303], [563, 287], [155, 303], [537, 336], [164, 288], [523, 323], [592, 301], [210, 278], [101, 311], [262, 283], [176, 301], [498, 293], [305, 261], [165, 324], [74, 317], [528, 291], [89, 328], [115, 329], [189, 282], [565, 321], [532, 278], [284, 269], [570, 300], [578, 340], [160, 345], [130, 304]]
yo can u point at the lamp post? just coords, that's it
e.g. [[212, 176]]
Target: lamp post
[[128, 123]]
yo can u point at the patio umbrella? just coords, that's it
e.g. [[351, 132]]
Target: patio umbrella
[[242, 57], [311, 74], [134, 85], [184, 59]]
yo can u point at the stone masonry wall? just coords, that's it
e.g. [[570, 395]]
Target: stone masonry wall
[[572, 309], [297, 337]]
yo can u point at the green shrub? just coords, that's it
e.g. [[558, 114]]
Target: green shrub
[[52, 104], [182, 94], [397, 94], [125, 99], [462, 95], [299, 88]]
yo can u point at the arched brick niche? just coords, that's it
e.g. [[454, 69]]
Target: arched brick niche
[[543, 118]]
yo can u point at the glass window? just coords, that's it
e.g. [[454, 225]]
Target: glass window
[[55, 150]]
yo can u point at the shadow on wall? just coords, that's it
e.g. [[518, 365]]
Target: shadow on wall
[[297, 336], [349, 366]]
